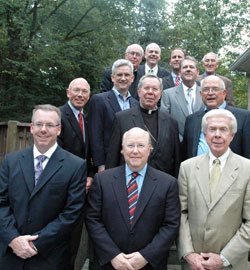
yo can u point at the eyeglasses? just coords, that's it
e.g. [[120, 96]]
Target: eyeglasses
[[47, 125], [212, 89], [135, 53], [78, 91], [138, 146]]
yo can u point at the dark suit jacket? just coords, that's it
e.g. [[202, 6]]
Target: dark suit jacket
[[229, 86], [49, 209], [101, 113], [155, 223], [239, 145], [165, 155], [168, 82], [71, 138]]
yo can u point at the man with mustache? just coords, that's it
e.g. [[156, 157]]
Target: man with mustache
[[183, 100]]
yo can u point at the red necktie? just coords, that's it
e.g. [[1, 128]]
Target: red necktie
[[80, 121], [177, 81], [132, 190]]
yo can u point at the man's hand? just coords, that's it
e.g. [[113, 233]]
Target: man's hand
[[195, 261], [212, 261], [121, 263], [23, 247], [88, 184], [101, 168], [136, 260]]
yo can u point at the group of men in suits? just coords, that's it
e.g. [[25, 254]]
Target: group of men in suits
[[132, 224]]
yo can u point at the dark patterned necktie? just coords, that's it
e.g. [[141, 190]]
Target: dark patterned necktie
[[132, 191], [39, 167]]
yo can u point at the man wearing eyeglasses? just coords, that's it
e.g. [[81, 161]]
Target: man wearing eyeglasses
[[134, 53], [133, 210], [42, 194], [213, 94], [75, 139]]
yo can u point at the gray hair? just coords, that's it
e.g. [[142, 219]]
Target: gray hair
[[129, 47], [47, 107], [216, 113], [216, 56], [122, 62], [154, 44], [150, 76], [191, 58], [222, 84]]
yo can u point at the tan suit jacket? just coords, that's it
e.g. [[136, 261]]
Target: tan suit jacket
[[223, 224], [229, 86]]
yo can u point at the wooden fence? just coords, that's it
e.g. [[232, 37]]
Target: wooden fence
[[14, 136]]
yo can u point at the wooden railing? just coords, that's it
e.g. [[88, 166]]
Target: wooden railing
[[14, 136]]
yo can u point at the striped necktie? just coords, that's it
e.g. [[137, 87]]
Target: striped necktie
[[39, 167], [177, 81], [132, 191]]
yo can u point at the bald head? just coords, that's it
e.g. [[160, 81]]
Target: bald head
[[134, 53], [152, 54]]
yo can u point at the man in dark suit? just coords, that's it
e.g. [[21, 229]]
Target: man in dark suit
[[74, 138], [213, 94], [163, 129], [134, 53], [42, 191], [210, 63], [174, 79], [133, 211], [102, 109], [183, 100]]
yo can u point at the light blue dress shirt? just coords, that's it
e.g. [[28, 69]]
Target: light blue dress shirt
[[124, 103]]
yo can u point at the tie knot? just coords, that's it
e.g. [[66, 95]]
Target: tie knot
[[135, 174], [41, 158], [216, 161], [190, 91]]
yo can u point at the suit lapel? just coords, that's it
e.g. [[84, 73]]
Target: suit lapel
[[147, 190], [198, 102], [120, 191], [53, 165], [197, 130], [27, 165], [73, 121], [201, 175], [180, 99], [113, 101], [229, 175]]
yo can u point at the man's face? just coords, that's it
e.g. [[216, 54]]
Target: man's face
[[45, 137], [218, 135], [79, 93], [122, 78], [175, 59], [210, 63], [211, 93], [149, 93], [152, 55], [188, 72], [134, 55], [136, 149]]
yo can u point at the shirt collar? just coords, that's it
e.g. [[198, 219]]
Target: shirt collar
[[119, 95], [222, 158], [222, 106], [147, 68], [185, 88], [48, 154], [206, 75], [75, 111], [142, 172]]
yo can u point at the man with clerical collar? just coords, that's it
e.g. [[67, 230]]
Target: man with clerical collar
[[214, 194], [213, 94], [102, 109], [210, 63], [163, 129], [138, 232], [134, 53], [183, 100], [42, 194], [174, 79]]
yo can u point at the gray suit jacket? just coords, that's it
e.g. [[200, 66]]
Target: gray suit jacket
[[223, 224], [173, 101]]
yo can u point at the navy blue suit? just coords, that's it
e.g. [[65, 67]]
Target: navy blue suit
[[155, 223], [49, 209], [240, 144], [101, 113]]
